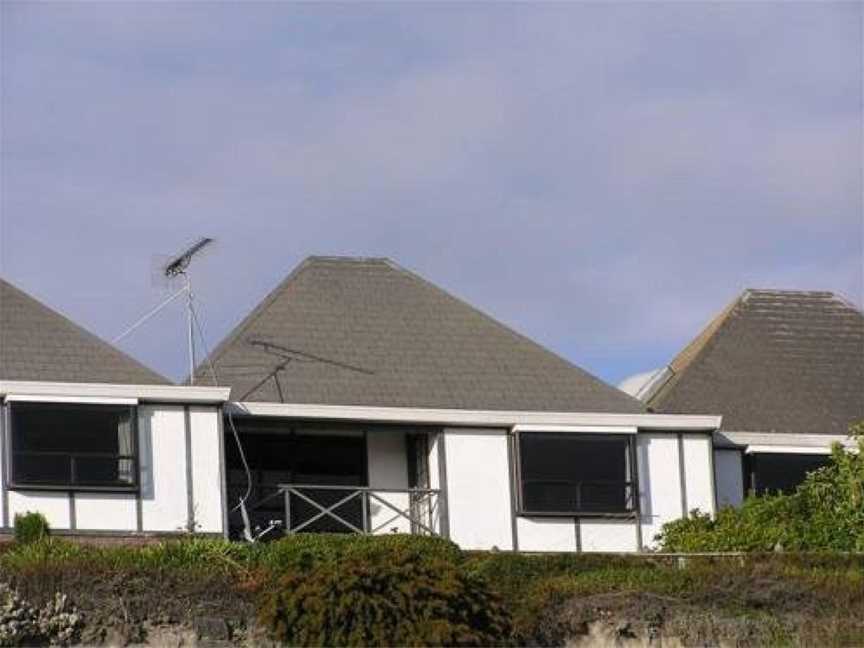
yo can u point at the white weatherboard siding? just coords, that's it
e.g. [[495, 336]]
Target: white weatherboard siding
[[729, 476], [206, 469], [54, 506], [105, 512], [162, 444], [388, 468], [478, 488]]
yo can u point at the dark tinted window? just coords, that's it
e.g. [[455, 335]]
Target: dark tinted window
[[772, 472], [73, 445], [570, 473]]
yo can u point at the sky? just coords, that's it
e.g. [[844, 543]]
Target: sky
[[601, 177]]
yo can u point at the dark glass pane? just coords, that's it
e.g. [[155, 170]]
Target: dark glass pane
[[103, 471], [42, 469], [564, 473], [71, 428], [782, 472], [72, 445]]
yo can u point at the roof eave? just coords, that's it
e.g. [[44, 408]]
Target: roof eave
[[480, 418], [143, 393]]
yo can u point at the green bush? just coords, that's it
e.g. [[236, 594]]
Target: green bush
[[825, 513], [293, 553], [404, 599], [30, 527], [306, 551]]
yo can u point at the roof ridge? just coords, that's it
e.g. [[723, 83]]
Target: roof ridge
[[84, 331], [789, 291], [687, 356], [509, 329]]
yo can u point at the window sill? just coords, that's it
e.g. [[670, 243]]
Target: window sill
[[72, 489], [578, 514]]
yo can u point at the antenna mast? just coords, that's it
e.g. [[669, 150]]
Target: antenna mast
[[176, 267]]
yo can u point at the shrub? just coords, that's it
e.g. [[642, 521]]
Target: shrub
[[306, 551], [30, 527], [403, 599], [825, 513]]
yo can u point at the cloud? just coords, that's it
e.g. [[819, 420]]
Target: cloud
[[604, 178]]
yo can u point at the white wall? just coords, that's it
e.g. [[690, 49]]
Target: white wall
[[388, 468], [546, 534], [207, 470], [164, 494], [699, 472], [105, 512], [478, 488], [164, 505], [660, 488], [54, 506], [729, 477], [674, 477], [608, 535]]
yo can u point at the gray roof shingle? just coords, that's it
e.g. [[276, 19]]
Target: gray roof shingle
[[774, 361], [400, 342], [39, 344]]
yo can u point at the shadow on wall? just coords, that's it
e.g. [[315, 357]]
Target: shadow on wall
[[145, 454], [644, 477]]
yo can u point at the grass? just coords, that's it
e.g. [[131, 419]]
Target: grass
[[776, 599]]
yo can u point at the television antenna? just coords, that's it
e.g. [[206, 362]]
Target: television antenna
[[175, 268]]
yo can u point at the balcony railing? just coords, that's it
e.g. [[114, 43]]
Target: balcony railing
[[363, 510]]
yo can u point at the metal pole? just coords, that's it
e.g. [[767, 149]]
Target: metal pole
[[287, 511], [190, 338]]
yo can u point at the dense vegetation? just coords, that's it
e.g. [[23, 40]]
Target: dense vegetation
[[409, 599], [825, 513], [425, 591]]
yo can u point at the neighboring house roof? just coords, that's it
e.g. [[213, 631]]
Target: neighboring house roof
[[773, 361], [394, 340], [39, 344]]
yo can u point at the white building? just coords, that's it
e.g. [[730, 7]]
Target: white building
[[365, 399]]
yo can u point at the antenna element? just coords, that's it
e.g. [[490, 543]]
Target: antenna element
[[178, 264]]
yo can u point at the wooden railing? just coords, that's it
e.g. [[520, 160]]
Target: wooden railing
[[362, 510]]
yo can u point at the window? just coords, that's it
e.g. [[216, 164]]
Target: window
[[73, 446], [567, 473], [772, 472]]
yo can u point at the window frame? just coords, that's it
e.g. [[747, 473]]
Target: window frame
[[633, 483], [9, 472], [750, 465]]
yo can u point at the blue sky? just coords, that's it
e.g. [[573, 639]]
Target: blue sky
[[603, 178]]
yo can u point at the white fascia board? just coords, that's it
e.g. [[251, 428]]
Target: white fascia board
[[83, 400], [142, 393], [480, 418], [596, 429], [780, 439], [767, 449]]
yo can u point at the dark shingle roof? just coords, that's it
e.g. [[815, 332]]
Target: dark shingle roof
[[406, 342], [38, 343], [774, 361]]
